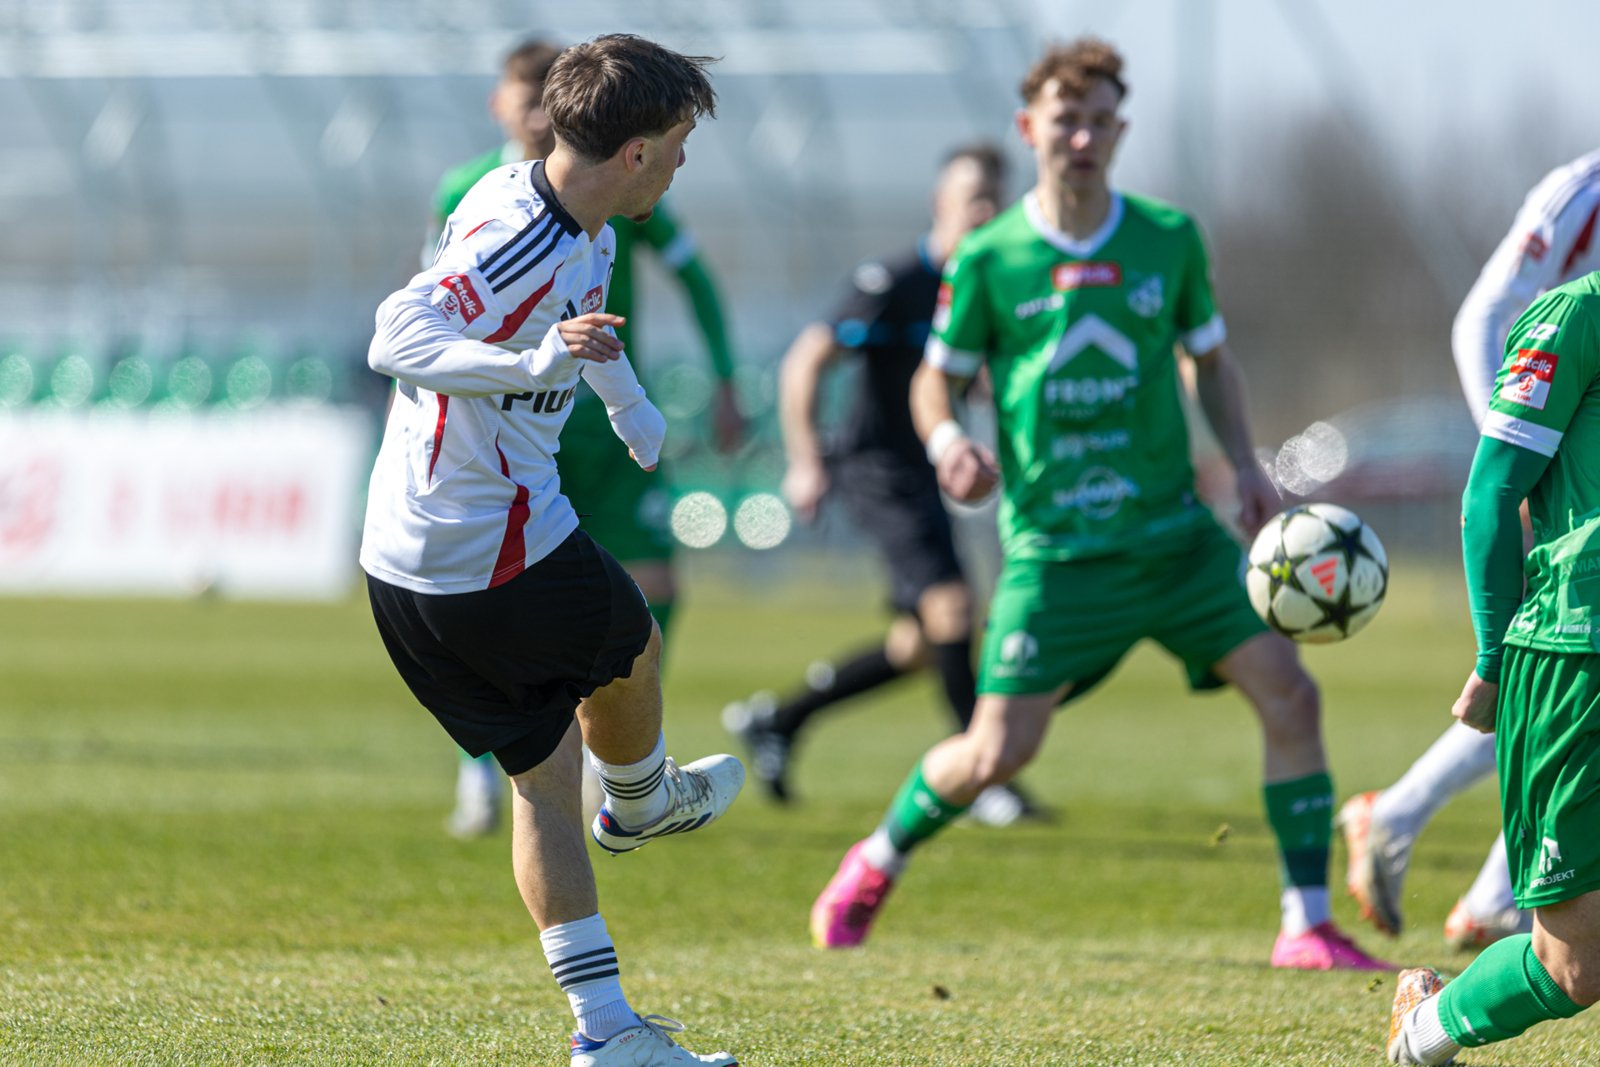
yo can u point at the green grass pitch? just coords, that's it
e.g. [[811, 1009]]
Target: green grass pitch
[[221, 843]]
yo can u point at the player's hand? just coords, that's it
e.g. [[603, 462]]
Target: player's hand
[[1258, 498], [586, 336], [967, 471], [804, 486], [727, 421], [1477, 703]]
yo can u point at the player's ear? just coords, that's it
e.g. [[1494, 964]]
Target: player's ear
[[1025, 126], [633, 152]]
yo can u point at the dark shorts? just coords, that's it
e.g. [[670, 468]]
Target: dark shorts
[[905, 517], [503, 669]]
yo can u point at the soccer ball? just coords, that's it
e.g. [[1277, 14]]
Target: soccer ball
[[1317, 573]]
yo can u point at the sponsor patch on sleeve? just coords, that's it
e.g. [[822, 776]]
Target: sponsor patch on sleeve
[[1528, 380], [457, 300]]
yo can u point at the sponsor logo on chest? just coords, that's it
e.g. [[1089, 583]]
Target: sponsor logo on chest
[[592, 301], [1087, 275], [1528, 380]]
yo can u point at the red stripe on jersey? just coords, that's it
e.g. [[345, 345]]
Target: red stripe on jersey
[[438, 434], [476, 228], [1584, 238], [513, 322], [513, 558]]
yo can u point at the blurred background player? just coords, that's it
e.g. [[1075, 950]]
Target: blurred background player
[[1552, 241], [1535, 686], [618, 504], [876, 467], [1075, 300], [504, 618]]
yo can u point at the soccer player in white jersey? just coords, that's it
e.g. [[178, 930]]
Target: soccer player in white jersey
[[505, 620], [1551, 242]]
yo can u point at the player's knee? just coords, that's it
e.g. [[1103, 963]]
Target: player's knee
[[903, 646], [1293, 705], [998, 764], [946, 612], [1578, 976]]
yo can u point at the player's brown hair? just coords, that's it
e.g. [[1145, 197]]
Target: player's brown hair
[[530, 61], [1074, 66], [605, 91], [986, 154]]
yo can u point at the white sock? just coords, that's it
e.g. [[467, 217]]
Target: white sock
[[636, 793], [879, 852], [584, 962], [1461, 757], [1425, 1034], [1491, 890], [1304, 907]]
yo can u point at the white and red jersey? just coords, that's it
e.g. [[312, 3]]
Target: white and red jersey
[[1552, 241], [465, 494]]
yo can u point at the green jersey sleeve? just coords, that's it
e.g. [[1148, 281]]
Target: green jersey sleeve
[[1551, 360], [962, 319], [1200, 327], [678, 252], [1491, 542]]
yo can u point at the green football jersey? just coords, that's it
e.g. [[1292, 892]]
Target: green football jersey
[[1078, 337], [1547, 400]]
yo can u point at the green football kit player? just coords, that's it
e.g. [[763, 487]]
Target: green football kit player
[[1536, 684], [624, 508], [1075, 300]]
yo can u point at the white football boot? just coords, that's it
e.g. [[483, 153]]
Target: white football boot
[[696, 795], [645, 1045]]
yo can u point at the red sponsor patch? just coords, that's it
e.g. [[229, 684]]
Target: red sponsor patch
[[460, 299], [1087, 275], [592, 300], [1528, 380]]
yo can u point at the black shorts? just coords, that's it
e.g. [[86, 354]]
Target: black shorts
[[905, 516], [503, 669]]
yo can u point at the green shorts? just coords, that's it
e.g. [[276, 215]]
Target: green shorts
[[625, 509], [1547, 744], [1056, 622]]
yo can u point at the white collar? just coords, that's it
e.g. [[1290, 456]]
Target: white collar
[[1084, 248]]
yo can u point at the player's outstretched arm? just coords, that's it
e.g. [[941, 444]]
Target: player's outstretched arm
[[805, 482], [966, 469], [1220, 388], [680, 252]]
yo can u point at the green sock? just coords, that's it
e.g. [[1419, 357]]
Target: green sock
[[1504, 992], [486, 757], [1300, 812], [917, 813], [663, 616]]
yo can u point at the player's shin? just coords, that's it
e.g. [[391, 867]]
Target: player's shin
[[1505, 991], [1300, 814], [915, 814]]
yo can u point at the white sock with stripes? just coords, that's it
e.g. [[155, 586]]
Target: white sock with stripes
[[585, 965], [636, 793]]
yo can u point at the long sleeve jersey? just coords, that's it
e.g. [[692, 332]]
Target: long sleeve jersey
[[1551, 242], [465, 494]]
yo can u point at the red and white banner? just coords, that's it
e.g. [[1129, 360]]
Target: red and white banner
[[259, 504]]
